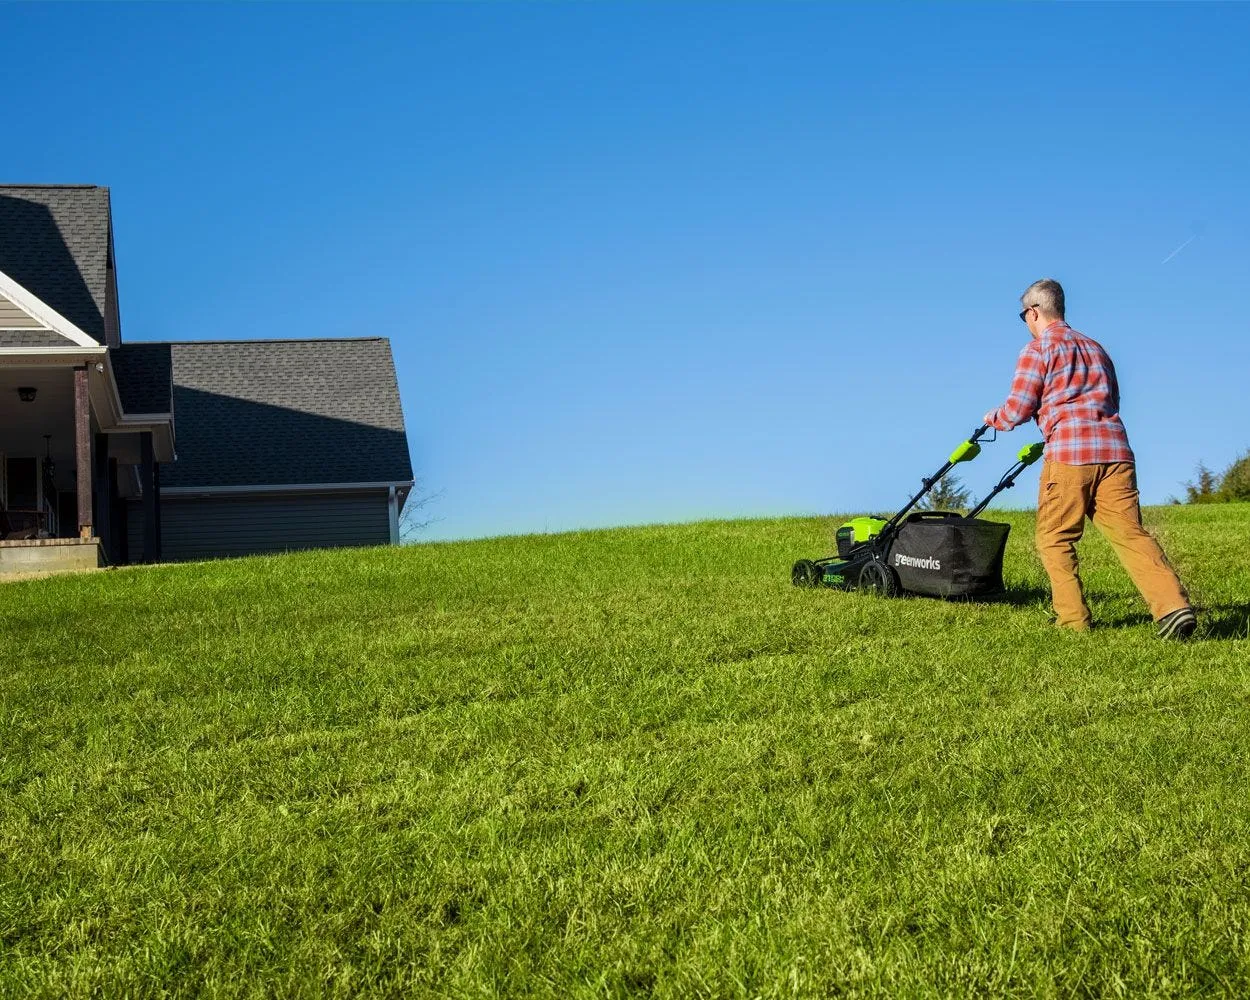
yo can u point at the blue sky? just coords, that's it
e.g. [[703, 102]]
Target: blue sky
[[650, 262]]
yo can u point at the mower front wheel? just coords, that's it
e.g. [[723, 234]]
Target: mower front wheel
[[806, 574], [877, 578]]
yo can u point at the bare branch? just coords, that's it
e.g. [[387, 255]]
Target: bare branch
[[415, 516]]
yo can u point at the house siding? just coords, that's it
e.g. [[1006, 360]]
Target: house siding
[[13, 317], [222, 527]]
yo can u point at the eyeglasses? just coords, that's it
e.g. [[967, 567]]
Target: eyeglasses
[[1026, 309]]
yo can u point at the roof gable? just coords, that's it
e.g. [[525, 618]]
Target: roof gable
[[33, 322], [56, 243]]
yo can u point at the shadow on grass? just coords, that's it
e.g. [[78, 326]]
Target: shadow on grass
[[1224, 621], [1219, 621], [1023, 596]]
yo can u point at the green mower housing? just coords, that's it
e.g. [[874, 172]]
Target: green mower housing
[[857, 531]]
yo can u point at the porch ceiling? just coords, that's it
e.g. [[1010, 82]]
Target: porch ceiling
[[31, 366], [23, 425]]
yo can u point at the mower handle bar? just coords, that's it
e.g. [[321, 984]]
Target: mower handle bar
[[1028, 456], [932, 481], [1006, 483]]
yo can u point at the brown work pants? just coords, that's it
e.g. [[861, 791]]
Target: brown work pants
[[1107, 494]]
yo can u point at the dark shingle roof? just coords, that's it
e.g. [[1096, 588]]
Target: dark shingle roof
[[144, 374], [277, 412], [54, 242], [32, 338]]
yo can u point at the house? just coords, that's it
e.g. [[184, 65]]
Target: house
[[115, 452]]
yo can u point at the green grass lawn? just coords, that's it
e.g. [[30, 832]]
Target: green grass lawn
[[622, 763]]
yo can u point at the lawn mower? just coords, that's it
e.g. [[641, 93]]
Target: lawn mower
[[929, 552]]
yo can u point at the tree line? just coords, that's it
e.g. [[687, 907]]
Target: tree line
[[1229, 486]]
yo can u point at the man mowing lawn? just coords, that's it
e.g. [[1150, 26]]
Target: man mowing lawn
[[1066, 382]]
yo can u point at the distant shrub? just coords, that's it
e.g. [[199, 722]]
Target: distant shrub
[[1233, 484], [1205, 489], [946, 495]]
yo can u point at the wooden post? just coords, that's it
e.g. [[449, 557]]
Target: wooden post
[[147, 479], [82, 450], [121, 543], [103, 507], [156, 490]]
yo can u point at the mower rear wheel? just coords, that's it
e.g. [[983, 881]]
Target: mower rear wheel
[[806, 574], [878, 578]]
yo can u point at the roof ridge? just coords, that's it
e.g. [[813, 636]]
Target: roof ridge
[[263, 340], [88, 187]]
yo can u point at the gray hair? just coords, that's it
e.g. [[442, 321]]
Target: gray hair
[[1047, 295]]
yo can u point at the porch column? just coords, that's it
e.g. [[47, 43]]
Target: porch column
[[121, 523], [82, 450], [156, 491], [103, 496], [151, 499]]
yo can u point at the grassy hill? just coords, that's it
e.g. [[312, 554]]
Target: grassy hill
[[622, 763]]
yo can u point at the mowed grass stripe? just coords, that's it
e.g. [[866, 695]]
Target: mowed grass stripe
[[621, 763]]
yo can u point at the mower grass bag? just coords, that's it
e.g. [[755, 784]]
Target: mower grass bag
[[941, 554], [934, 553]]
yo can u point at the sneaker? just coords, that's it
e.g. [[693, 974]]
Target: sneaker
[[1180, 624]]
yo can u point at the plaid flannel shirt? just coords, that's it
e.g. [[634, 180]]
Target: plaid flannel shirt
[[1066, 382]]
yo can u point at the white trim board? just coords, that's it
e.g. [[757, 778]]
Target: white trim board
[[208, 491], [33, 357]]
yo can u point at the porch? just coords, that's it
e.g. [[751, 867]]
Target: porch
[[36, 556], [70, 459]]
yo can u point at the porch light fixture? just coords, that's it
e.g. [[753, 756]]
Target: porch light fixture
[[26, 393]]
